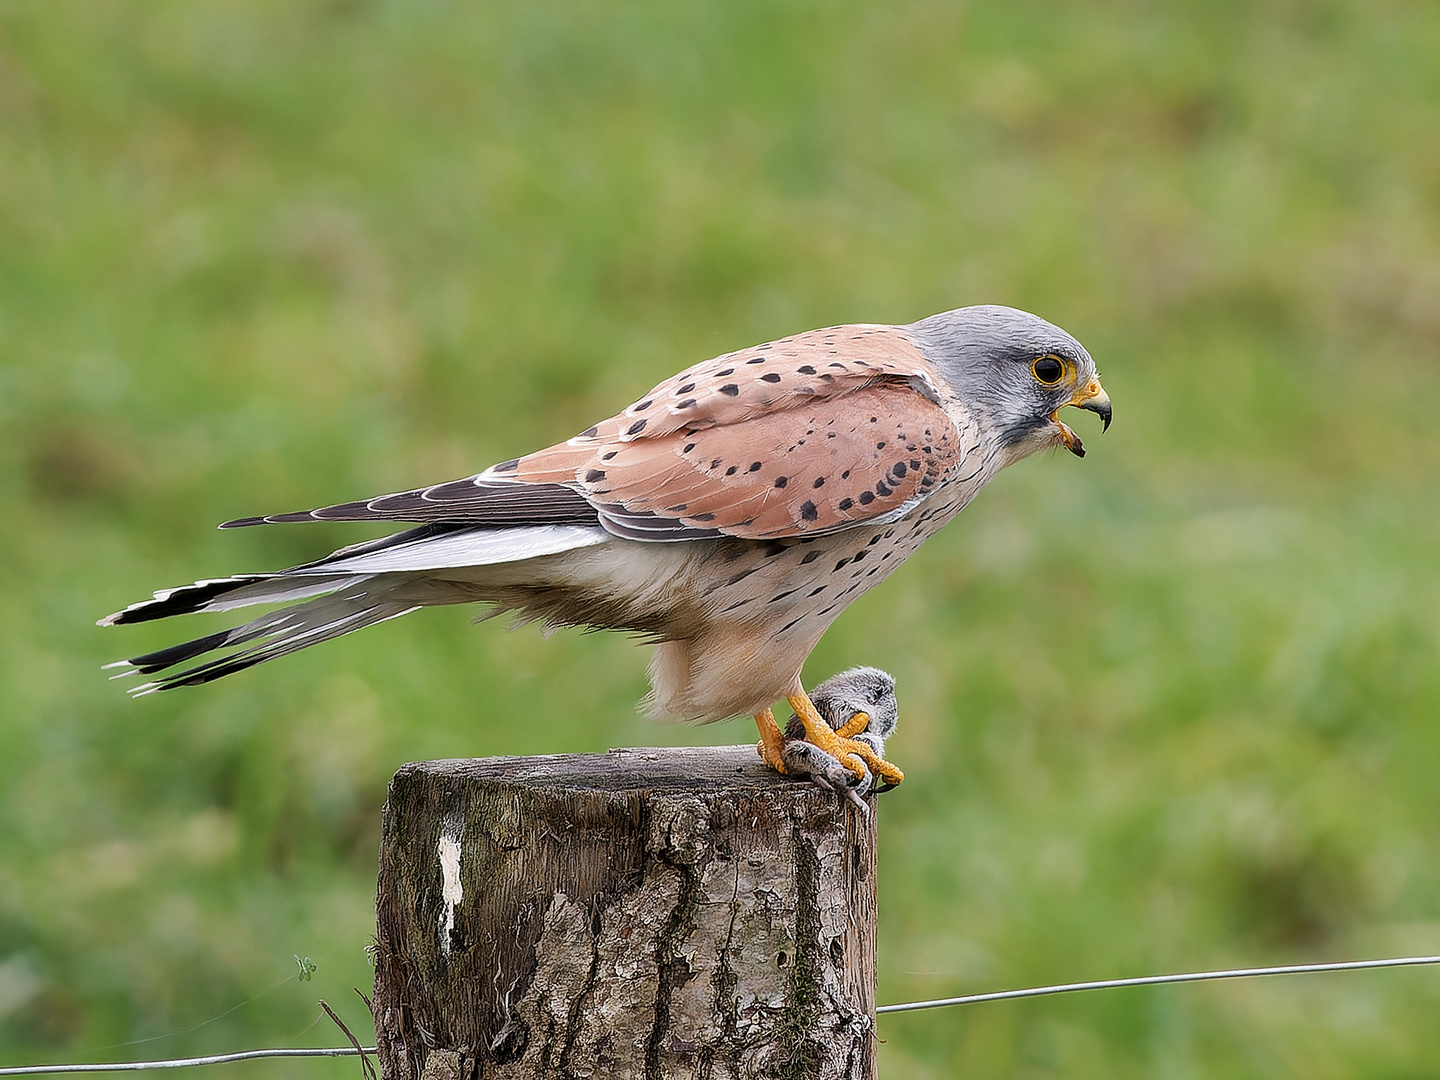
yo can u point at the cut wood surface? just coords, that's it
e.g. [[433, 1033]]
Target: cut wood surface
[[643, 913]]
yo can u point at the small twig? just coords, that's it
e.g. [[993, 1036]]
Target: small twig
[[364, 1060]]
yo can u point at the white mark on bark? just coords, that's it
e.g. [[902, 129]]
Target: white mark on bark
[[452, 892]]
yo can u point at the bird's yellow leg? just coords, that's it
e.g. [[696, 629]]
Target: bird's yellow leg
[[841, 747], [771, 741]]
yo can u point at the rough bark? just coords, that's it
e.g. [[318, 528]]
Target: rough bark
[[640, 914]]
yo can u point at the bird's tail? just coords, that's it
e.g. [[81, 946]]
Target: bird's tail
[[354, 588], [349, 604]]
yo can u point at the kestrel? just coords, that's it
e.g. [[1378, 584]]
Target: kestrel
[[729, 515]]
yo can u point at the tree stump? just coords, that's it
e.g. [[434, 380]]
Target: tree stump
[[642, 913]]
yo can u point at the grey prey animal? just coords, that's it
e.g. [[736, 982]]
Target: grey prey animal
[[858, 704], [729, 515]]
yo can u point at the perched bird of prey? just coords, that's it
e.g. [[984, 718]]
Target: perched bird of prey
[[858, 704], [729, 515]]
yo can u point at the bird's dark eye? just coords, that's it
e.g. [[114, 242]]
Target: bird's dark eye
[[1048, 369]]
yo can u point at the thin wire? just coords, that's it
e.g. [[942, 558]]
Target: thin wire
[[912, 1006], [180, 1063], [1156, 980]]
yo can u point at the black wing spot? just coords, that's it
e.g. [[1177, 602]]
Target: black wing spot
[[781, 481], [506, 466], [754, 466], [770, 377], [899, 470], [731, 471], [637, 427], [686, 388], [642, 406], [590, 433], [866, 498], [819, 482], [756, 360], [688, 403], [806, 369], [722, 374], [811, 556], [808, 511], [881, 489], [845, 504], [730, 389], [688, 447], [594, 476]]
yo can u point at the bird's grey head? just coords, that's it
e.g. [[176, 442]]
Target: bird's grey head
[[1016, 370]]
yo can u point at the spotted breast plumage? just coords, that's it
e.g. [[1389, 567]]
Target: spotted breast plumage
[[729, 515]]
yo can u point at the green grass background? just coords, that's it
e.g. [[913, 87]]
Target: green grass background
[[1171, 707]]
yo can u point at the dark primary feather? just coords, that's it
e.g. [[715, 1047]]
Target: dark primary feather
[[471, 501]]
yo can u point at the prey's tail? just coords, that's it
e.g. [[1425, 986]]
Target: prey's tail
[[354, 588]]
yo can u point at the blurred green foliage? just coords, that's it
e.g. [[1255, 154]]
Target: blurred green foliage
[[1171, 707]]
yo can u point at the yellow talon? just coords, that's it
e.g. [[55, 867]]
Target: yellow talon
[[839, 745], [856, 724], [819, 733], [771, 742], [878, 765]]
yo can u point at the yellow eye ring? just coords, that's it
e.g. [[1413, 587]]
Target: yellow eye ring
[[1048, 370]]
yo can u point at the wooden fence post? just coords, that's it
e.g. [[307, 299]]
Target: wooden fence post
[[643, 913]]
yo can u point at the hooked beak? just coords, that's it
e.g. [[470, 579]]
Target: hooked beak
[[1093, 398]]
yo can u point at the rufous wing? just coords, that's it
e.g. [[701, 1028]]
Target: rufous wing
[[803, 436]]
